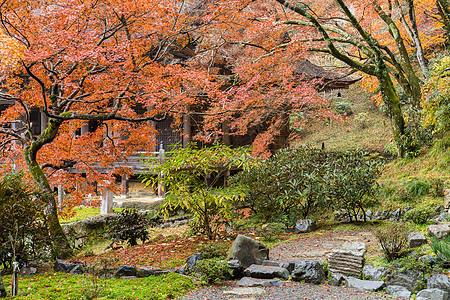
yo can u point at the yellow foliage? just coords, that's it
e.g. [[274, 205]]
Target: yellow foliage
[[11, 52], [436, 95]]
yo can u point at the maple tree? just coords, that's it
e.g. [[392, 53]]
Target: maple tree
[[115, 65]]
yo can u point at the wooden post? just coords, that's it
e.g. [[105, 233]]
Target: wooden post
[[161, 189], [107, 201], [60, 194], [125, 186]]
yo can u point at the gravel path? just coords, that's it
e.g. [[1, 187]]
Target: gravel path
[[288, 291]]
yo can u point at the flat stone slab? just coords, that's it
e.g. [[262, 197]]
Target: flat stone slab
[[242, 291], [252, 282], [266, 272], [439, 231], [364, 285]]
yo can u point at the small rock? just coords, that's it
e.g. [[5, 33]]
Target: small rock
[[27, 271], [376, 216], [125, 271], [428, 258], [416, 239], [252, 282], [395, 216], [245, 291], [72, 267], [375, 273], [337, 279], [432, 294], [364, 285], [305, 225], [191, 261], [384, 215], [369, 214]]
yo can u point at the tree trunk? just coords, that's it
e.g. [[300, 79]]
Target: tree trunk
[[390, 98], [61, 246]]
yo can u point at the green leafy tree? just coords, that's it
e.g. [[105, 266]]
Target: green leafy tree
[[192, 176]]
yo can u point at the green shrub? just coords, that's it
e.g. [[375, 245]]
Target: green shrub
[[420, 214], [393, 238], [192, 177], [213, 250], [271, 232], [437, 187], [441, 248], [130, 225], [289, 184], [343, 108], [352, 184], [213, 270], [23, 232], [297, 182]]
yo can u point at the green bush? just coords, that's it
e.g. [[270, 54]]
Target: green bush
[[23, 232], [393, 238], [271, 232], [352, 184], [297, 182], [343, 108], [130, 225], [213, 250], [213, 270], [289, 184], [192, 177], [420, 214]]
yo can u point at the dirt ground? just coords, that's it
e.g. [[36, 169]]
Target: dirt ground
[[318, 244]]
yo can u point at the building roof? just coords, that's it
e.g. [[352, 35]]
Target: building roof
[[306, 70]]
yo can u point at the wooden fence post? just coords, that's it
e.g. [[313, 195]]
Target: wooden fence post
[[161, 189]]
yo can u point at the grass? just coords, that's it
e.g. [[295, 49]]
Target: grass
[[82, 212], [67, 286], [367, 128]]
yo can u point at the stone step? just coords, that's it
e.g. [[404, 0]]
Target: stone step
[[266, 272]]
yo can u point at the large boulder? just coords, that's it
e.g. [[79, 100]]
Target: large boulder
[[147, 271], [397, 290], [266, 272], [439, 231], [364, 285], [305, 225], [81, 233], [407, 278], [282, 264], [432, 294], [125, 271], [68, 267], [309, 271], [248, 251], [438, 282]]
